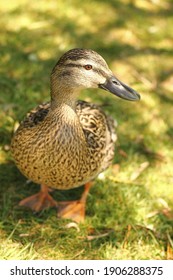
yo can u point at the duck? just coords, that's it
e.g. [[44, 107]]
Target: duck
[[66, 143]]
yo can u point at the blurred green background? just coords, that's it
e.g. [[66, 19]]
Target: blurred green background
[[129, 209]]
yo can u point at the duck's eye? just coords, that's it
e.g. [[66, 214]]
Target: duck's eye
[[88, 67]]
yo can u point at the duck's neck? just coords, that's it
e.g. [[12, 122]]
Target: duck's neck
[[62, 94]]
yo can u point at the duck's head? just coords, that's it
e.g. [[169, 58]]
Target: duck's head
[[84, 68]]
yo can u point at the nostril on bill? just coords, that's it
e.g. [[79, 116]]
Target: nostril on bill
[[116, 82]]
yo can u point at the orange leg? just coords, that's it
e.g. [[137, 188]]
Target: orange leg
[[74, 210], [39, 201]]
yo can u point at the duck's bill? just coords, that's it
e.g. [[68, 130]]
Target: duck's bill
[[120, 89]]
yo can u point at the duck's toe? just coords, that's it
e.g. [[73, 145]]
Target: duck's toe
[[74, 210], [39, 201]]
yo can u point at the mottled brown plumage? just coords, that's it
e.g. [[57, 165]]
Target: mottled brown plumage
[[64, 152], [66, 143]]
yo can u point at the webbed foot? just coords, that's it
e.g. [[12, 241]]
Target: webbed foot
[[40, 200], [74, 210]]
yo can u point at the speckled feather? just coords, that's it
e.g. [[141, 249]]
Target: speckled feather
[[54, 155]]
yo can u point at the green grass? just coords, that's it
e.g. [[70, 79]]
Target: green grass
[[129, 211]]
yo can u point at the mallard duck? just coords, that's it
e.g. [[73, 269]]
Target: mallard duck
[[66, 143]]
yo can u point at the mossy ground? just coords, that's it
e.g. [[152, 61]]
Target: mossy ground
[[129, 209]]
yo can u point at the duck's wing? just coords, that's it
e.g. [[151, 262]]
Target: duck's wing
[[36, 115], [99, 130]]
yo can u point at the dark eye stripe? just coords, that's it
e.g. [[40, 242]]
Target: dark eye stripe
[[99, 71], [73, 65]]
